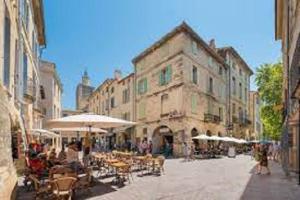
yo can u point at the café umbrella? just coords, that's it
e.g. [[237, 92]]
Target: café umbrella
[[202, 137], [44, 133], [80, 129], [88, 120]]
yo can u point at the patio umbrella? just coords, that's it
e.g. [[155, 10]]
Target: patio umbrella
[[215, 138], [43, 132], [80, 129], [228, 139], [88, 120], [242, 141], [202, 137]]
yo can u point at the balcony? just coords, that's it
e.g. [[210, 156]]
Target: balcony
[[211, 118], [29, 91]]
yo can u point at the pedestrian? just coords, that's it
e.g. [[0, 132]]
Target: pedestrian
[[185, 151], [270, 151], [264, 160], [252, 153], [192, 152], [150, 145], [275, 152]]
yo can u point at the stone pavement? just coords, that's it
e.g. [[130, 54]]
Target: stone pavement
[[215, 179], [272, 187]]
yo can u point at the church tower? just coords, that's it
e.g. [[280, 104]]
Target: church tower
[[83, 91]]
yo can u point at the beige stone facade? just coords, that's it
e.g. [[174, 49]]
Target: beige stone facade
[[22, 35], [181, 90], [52, 91], [115, 98], [256, 126], [239, 85], [287, 29]]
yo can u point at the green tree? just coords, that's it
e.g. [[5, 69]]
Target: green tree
[[269, 79]]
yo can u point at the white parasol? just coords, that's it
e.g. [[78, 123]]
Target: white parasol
[[43, 133], [88, 120]]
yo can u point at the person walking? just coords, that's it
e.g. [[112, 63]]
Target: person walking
[[264, 160], [192, 152], [185, 151]]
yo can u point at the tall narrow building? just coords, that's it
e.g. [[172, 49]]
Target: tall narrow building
[[83, 91]]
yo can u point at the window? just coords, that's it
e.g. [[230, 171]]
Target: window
[[246, 94], [221, 113], [211, 85], [142, 110], [165, 75], [42, 92], [195, 75], [6, 70], [126, 95], [240, 72], [26, 13], [142, 86], [233, 86], [112, 90], [112, 102], [240, 91], [194, 47], [220, 71], [194, 103], [126, 116]]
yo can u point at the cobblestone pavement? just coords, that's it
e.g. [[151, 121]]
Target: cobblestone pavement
[[224, 178], [215, 179]]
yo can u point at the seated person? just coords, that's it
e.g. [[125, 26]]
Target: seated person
[[73, 157], [52, 160], [62, 156]]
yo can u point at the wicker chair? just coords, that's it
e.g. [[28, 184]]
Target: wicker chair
[[124, 174], [41, 190], [63, 187], [159, 164]]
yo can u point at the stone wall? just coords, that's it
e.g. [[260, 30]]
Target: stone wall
[[8, 177]]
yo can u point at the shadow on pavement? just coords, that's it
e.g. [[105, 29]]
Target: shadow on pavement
[[274, 187], [98, 188]]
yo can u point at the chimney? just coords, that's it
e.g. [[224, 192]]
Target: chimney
[[118, 74], [212, 44]]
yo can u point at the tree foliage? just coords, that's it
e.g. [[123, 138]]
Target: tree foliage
[[269, 79]]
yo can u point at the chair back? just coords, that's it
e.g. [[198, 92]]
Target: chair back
[[36, 182], [161, 160], [64, 184]]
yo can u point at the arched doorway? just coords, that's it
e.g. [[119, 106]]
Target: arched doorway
[[208, 133], [161, 136], [194, 133]]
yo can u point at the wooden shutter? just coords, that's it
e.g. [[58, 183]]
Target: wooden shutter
[[168, 73], [145, 85], [160, 78]]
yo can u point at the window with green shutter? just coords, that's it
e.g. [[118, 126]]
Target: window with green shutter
[[142, 86], [194, 103], [165, 75]]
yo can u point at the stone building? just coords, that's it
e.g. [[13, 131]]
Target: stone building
[[256, 126], [239, 85], [83, 91], [51, 88], [181, 90], [22, 36], [115, 98], [287, 29]]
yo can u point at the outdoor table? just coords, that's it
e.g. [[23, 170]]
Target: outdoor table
[[111, 161]]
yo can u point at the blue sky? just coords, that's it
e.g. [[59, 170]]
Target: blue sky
[[102, 35]]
